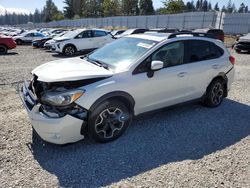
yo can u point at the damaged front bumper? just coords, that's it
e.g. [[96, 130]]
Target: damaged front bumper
[[57, 130]]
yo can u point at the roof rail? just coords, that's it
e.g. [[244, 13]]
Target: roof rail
[[208, 35]]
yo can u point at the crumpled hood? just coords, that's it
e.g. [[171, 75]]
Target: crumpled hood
[[71, 69], [61, 38]]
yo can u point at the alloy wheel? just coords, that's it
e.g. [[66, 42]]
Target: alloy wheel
[[70, 50], [109, 122], [217, 93]]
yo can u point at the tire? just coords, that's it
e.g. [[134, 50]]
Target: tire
[[238, 51], [215, 93], [3, 49], [109, 121], [19, 42], [69, 50]]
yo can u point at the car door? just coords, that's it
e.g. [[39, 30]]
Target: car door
[[37, 36], [168, 86], [28, 37], [101, 38], [204, 63], [83, 41]]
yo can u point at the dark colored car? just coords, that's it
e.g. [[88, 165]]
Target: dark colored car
[[39, 43], [243, 44], [165, 30], [6, 43], [217, 33]]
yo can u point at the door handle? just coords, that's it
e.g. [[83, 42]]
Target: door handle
[[215, 66], [181, 74]]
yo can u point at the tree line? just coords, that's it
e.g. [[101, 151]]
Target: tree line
[[75, 9]]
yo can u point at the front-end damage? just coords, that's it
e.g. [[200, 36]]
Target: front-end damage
[[59, 124]]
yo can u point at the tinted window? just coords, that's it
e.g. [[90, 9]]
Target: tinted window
[[84, 34], [171, 54], [99, 33], [30, 35], [198, 50]]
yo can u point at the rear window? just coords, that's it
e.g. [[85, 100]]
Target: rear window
[[199, 50], [216, 31], [99, 33]]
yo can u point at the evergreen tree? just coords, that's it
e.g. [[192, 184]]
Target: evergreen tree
[[242, 8], [49, 11], [246, 9], [68, 9], [204, 6], [190, 6], [110, 7], [216, 7], [130, 7], [146, 7]]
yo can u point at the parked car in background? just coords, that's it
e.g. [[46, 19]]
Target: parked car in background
[[217, 33], [165, 30], [131, 32], [6, 43], [100, 93], [243, 44], [117, 32], [81, 40], [28, 37], [40, 43]]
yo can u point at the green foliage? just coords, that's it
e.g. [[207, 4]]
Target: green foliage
[[146, 7], [49, 11], [110, 7], [129, 7], [173, 6], [68, 9]]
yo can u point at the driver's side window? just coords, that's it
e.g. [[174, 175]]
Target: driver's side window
[[84, 34], [171, 55]]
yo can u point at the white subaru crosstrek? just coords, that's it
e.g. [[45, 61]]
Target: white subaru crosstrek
[[81, 40], [99, 94]]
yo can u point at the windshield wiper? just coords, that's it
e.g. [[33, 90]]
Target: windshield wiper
[[96, 62]]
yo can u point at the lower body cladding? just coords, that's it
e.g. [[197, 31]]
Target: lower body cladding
[[58, 127]]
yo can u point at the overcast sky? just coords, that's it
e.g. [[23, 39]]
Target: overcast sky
[[31, 5]]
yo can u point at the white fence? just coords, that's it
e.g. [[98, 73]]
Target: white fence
[[237, 23]]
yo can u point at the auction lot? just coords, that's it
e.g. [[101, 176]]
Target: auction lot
[[188, 146]]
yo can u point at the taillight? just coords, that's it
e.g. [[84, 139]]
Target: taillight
[[232, 60]]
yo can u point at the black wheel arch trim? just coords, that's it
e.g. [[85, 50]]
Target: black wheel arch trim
[[115, 94]]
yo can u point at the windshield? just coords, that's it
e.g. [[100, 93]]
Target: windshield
[[128, 32], [71, 34], [122, 52]]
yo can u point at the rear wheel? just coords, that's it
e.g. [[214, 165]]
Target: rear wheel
[[69, 50], [3, 49], [19, 42], [108, 121], [215, 93]]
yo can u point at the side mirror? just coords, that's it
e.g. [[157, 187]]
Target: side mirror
[[156, 65]]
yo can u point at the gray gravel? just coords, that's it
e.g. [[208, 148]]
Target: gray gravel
[[188, 146]]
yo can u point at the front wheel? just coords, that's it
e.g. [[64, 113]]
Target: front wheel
[[3, 49], [69, 50], [215, 93], [109, 121]]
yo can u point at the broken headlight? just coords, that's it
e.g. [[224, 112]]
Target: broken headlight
[[61, 98]]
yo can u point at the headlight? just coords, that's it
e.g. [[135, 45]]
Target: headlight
[[62, 98]]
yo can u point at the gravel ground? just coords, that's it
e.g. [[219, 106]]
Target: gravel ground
[[188, 146]]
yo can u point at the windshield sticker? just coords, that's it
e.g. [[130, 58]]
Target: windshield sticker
[[145, 45]]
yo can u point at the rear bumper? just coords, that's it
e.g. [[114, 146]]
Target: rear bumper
[[54, 130]]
